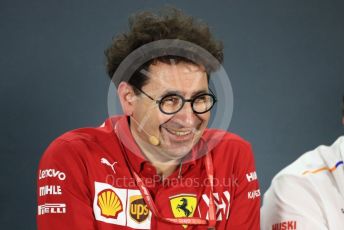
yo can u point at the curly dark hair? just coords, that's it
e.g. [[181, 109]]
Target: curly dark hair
[[146, 27]]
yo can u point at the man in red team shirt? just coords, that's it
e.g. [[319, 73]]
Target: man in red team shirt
[[157, 166]]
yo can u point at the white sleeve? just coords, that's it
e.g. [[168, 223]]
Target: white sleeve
[[292, 202]]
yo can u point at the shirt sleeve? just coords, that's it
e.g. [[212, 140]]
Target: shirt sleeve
[[63, 196], [292, 203], [245, 202]]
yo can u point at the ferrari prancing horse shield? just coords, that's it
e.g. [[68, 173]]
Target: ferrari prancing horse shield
[[183, 205]]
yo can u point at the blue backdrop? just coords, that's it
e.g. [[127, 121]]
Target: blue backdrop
[[285, 60]]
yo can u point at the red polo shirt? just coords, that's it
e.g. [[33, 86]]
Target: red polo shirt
[[85, 181]]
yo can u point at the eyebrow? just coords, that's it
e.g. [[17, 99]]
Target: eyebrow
[[167, 92]]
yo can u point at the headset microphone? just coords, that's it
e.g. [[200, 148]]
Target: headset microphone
[[153, 140]]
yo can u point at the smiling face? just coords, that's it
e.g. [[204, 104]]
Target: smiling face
[[179, 132]]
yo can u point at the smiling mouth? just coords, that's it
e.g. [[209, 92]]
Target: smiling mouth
[[178, 135], [179, 132]]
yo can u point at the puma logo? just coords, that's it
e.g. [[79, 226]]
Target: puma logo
[[106, 162]]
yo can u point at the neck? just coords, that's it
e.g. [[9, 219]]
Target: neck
[[165, 169]]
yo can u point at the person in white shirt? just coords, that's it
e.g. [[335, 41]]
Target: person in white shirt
[[309, 193]]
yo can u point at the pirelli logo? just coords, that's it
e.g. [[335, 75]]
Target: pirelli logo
[[52, 208]]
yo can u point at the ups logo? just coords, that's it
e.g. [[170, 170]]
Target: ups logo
[[138, 208]]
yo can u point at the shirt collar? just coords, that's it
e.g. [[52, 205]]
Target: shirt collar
[[134, 154]]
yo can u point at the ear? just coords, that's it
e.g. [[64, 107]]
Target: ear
[[126, 97]]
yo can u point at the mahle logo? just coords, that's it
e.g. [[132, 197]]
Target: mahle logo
[[138, 208]]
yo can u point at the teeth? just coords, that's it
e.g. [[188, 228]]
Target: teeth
[[179, 133]]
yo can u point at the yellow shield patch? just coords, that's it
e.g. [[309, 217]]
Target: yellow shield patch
[[183, 205]]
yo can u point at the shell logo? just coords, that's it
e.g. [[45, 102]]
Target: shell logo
[[109, 203]]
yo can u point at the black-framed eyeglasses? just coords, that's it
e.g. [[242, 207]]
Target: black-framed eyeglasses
[[173, 103]]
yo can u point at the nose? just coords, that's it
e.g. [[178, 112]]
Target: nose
[[187, 116]]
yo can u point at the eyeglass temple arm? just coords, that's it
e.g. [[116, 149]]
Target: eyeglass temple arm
[[213, 93], [144, 93]]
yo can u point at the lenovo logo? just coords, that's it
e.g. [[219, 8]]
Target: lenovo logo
[[51, 173]]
